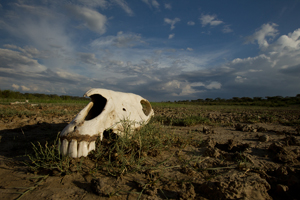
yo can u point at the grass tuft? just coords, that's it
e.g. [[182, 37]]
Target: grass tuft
[[48, 157]]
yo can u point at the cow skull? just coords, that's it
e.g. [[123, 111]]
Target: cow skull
[[105, 111]]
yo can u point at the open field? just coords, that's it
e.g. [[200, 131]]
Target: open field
[[185, 152]]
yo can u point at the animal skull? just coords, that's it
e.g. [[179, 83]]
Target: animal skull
[[105, 111]]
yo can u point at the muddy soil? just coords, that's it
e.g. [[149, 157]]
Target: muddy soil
[[238, 153]]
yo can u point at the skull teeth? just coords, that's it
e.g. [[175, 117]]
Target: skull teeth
[[83, 149], [76, 149]]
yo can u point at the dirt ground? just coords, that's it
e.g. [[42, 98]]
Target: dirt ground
[[242, 153]]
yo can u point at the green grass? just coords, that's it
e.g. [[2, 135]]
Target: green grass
[[44, 101], [114, 155], [48, 157], [43, 109], [7, 112], [170, 105]]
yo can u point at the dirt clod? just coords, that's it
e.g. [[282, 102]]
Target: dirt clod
[[100, 187], [237, 185]]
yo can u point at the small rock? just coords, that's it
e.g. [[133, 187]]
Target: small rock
[[206, 130], [264, 138]]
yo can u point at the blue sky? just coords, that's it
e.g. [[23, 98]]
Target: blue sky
[[160, 49]]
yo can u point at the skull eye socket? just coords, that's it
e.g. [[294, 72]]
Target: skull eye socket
[[124, 109], [146, 107], [99, 103]]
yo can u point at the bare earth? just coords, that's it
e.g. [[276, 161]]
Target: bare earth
[[242, 153]]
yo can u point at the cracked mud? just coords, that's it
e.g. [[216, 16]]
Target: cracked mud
[[237, 153]]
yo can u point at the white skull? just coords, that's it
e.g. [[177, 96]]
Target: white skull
[[105, 111]]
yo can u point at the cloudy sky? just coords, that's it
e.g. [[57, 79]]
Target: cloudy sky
[[160, 49]]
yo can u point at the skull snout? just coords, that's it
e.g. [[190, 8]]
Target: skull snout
[[74, 143]]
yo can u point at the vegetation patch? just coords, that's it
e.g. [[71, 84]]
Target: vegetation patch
[[114, 155]]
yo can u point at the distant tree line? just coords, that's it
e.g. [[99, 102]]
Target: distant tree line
[[8, 94], [272, 101]]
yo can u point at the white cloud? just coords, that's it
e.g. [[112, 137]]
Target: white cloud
[[168, 6], [127, 40], [209, 19], [155, 4], [171, 35], [39, 11], [91, 18], [251, 60], [27, 50], [214, 85], [184, 88], [189, 49], [14, 60], [265, 32], [171, 22], [39, 26], [147, 2], [197, 84], [88, 58], [15, 86], [191, 23], [124, 6], [186, 91], [239, 79], [24, 88], [151, 3], [288, 42], [121, 40], [255, 70], [227, 29], [10, 46], [177, 88]]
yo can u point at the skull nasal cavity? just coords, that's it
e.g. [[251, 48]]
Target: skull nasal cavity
[[99, 103]]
